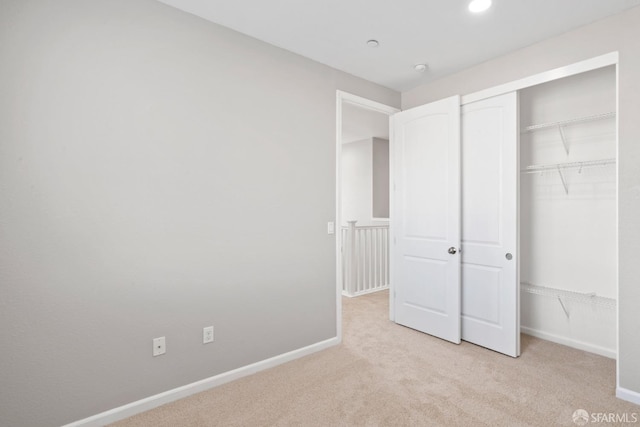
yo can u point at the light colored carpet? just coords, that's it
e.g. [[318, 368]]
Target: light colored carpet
[[387, 375]]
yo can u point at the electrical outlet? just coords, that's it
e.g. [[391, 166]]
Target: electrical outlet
[[159, 346], [207, 335]]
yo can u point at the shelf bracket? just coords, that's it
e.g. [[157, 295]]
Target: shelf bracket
[[564, 183], [564, 139], [563, 307]]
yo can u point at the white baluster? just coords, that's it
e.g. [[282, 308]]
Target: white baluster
[[352, 258]]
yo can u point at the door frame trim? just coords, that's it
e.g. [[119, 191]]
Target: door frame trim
[[368, 104], [590, 64]]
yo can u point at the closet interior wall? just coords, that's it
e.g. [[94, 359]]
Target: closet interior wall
[[568, 226]]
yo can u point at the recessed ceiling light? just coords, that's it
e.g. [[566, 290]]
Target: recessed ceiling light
[[477, 6], [373, 43], [421, 68]]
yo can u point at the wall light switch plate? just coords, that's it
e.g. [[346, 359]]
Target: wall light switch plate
[[331, 227], [159, 346]]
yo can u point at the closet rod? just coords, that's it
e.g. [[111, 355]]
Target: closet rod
[[569, 122]]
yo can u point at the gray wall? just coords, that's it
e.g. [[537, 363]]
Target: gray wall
[[380, 171], [158, 174], [357, 183], [619, 33]]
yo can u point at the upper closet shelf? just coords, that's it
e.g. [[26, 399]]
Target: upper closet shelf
[[541, 126], [561, 124]]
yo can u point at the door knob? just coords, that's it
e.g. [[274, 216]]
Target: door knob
[[508, 256], [452, 250]]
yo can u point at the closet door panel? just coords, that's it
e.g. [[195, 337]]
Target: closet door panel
[[490, 290], [488, 285], [425, 218]]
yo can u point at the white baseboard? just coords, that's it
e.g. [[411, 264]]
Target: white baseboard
[[368, 291], [151, 402], [580, 345], [628, 395]]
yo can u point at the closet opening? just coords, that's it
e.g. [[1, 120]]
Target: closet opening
[[532, 246], [568, 211]]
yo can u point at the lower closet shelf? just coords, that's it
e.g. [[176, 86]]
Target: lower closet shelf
[[561, 294]]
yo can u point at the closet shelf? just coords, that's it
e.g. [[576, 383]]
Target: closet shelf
[[559, 167], [562, 294], [568, 165], [561, 123]]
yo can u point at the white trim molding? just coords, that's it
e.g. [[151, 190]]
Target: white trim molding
[[628, 395], [365, 103], [547, 76], [347, 98], [569, 342], [367, 292], [169, 396]]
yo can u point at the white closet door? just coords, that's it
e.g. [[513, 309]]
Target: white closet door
[[490, 289], [425, 218]]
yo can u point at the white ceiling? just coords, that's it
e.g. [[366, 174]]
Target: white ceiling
[[441, 33]]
